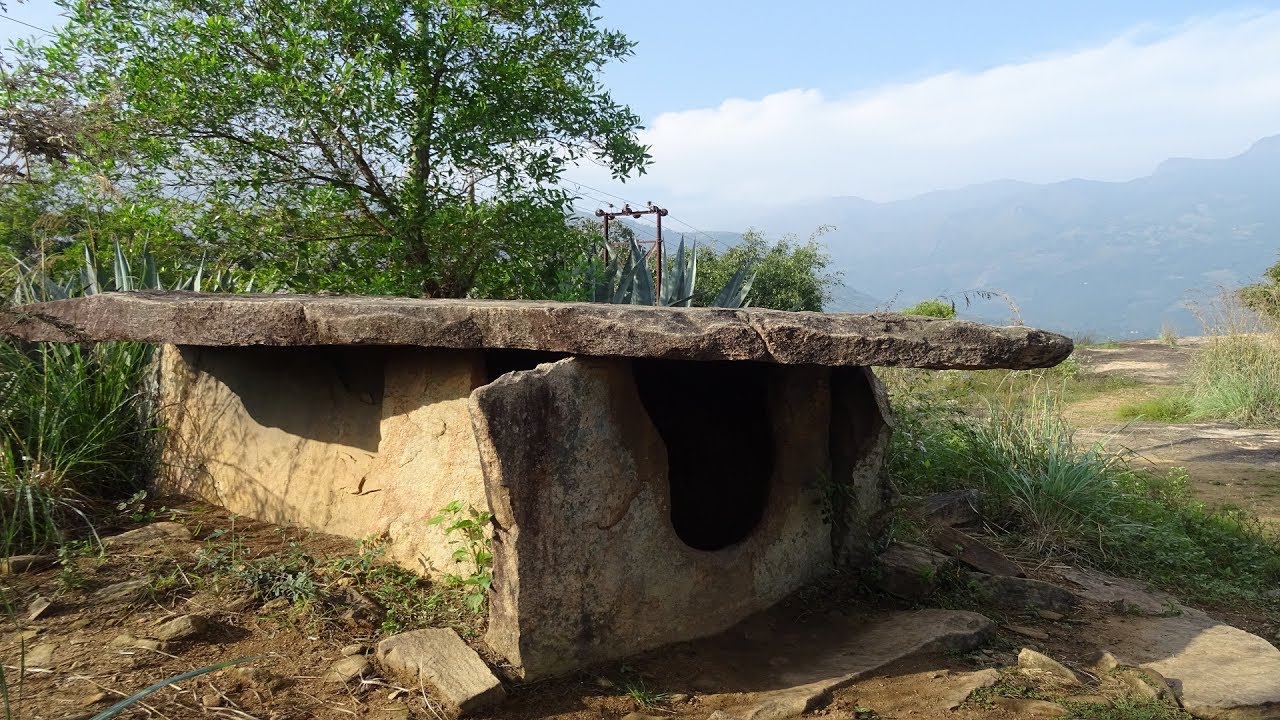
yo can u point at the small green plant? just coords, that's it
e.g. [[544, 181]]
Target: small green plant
[[467, 531], [645, 698], [1168, 335], [934, 307], [1171, 407]]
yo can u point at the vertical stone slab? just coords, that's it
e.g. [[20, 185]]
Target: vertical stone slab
[[861, 494], [587, 566], [355, 442]]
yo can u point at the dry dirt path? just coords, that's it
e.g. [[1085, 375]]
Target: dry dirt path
[[1227, 464]]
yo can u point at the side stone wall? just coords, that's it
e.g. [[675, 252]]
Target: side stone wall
[[349, 441], [587, 564]]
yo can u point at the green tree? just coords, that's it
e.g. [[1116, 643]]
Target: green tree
[[1264, 296], [789, 275], [408, 146]]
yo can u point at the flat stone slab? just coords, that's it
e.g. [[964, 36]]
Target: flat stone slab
[[217, 320], [769, 670], [440, 658], [1217, 671]]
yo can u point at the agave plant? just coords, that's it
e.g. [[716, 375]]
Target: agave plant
[[625, 279]]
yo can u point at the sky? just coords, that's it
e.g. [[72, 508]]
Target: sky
[[752, 105]]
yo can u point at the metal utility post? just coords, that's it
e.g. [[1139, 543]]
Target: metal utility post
[[628, 211]]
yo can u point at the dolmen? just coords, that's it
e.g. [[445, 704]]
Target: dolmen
[[654, 474]]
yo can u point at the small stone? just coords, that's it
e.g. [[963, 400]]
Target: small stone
[[92, 699], [160, 532], [129, 642], [439, 657], [1139, 687], [40, 656], [255, 677], [1026, 707], [275, 604], [1104, 663], [953, 508], [1049, 615], [211, 700], [604, 682], [957, 687], [1031, 660], [15, 564], [355, 649], [122, 592], [1028, 632], [348, 669], [23, 636], [38, 608], [974, 553], [677, 698], [183, 627]]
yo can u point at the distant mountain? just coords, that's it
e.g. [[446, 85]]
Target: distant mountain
[[1100, 258]]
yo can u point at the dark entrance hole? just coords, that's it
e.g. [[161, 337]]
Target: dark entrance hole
[[500, 362], [714, 419]]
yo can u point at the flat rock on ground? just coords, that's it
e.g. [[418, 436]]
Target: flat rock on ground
[[1015, 593], [440, 658], [973, 552], [911, 571], [155, 532], [1219, 672], [598, 329], [1123, 594], [786, 670]]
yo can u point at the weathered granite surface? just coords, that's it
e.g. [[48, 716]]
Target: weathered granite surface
[[886, 339]]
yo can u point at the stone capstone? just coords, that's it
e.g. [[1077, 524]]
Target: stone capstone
[[440, 659], [596, 329]]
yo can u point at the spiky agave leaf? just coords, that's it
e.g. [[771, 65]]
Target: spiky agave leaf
[[734, 294]]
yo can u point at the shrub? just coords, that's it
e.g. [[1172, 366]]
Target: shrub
[[932, 308]]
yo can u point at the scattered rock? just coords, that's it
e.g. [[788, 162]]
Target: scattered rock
[[677, 698], [974, 553], [122, 592], [910, 571], [1050, 615], [40, 656], [23, 636], [1029, 659], [1104, 663], [959, 686], [1139, 687], [1026, 707], [361, 610], [160, 532], [349, 668], [129, 642], [1028, 632], [211, 700], [15, 564], [356, 649], [439, 657], [953, 508], [254, 677], [92, 699], [38, 608], [183, 627], [1125, 595], [1217, 671], [1014, 593]]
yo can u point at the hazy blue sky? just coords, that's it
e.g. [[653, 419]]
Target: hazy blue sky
[[750, 104]]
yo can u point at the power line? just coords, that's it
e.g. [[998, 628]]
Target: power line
[[23, 22]]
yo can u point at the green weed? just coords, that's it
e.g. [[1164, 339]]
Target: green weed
[[466, 531], [644, 697], [1171, 407]]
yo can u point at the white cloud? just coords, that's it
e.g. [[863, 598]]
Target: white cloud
[[1206, 89]]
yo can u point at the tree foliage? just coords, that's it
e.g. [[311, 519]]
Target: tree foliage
[[1264, 296], [371, 145], [789, 275], [933, 307]]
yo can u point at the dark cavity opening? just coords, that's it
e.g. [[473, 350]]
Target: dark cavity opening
[[500, 362], [714, 419]]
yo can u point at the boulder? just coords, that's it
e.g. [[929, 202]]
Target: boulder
[[1014, 593], [15, 564], [183, 627], [1217, 671], [910, 571], [593, 329], [1029, 659]]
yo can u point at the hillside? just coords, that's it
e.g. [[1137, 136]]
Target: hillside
[[1111, 259]]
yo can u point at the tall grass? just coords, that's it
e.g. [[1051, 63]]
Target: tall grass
[[1236, 377], [74, 435], [1084, 504]]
